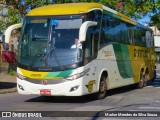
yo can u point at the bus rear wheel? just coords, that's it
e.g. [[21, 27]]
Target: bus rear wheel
[[141, 83], [143, 80], [102, 88]]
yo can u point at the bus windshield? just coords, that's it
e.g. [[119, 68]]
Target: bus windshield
[[50, 41]]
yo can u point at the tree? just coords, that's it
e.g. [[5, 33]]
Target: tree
[[17, 9], [135, 9], [156, 17], [3, 18]]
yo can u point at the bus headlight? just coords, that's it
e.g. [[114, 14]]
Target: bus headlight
[[21, 76], [76, 76]]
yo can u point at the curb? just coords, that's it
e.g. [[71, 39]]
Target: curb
[[10, 90]]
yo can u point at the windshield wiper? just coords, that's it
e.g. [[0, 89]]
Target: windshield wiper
[[36, 57], [52, 52]]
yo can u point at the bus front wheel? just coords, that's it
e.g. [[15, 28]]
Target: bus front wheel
[[102, 88]]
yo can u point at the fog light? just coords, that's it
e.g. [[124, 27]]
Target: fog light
[[20, 87], [74, 88]]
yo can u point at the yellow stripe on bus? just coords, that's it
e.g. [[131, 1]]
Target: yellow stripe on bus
[[64, 9], [32, 74]]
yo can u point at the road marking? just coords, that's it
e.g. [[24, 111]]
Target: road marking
[[157, 108], [136, 110], [158, 86], [146, 108]]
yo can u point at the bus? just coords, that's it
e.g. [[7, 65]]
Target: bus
[[114, 51]]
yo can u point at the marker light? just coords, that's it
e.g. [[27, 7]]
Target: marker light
[[20, 87], [74, 88]]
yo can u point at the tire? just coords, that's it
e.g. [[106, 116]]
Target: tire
[[145, 80], [102, 88], [142, 81], [154, 75]]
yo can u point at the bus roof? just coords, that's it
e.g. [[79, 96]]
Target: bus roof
[[64, 9], [77, 8]]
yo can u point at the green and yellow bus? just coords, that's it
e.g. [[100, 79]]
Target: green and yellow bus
[[112, 51]]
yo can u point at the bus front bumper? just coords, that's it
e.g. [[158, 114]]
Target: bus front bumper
[[69, 88]]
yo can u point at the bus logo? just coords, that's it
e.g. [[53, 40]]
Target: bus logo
[[90, 85], [44, 82]]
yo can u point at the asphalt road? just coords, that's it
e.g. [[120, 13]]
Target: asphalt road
[[122, 99]]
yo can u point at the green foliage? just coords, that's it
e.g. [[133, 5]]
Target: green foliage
[[110, 3], [2, 21], [131, 8], [11, 72], [137, 8], [156, 17], [156, 20], [16, 11], [63, 1], [2, 24], [88, 0], [13, 15]]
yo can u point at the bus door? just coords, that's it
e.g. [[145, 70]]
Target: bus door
[[90, 55], [91, 45], [92, 36]]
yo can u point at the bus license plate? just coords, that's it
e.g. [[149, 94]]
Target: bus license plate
[[45, 92]]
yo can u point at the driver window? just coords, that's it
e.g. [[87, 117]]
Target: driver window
[[91, 45], [92, 36]]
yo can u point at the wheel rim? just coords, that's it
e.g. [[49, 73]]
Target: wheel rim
[[103, 86], [145, 80], [141, 83]]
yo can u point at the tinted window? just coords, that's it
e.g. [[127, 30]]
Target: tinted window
[[116, 30]]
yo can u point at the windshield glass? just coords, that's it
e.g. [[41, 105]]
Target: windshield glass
[[50, 41]]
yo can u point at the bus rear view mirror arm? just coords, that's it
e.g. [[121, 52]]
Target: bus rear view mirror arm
[[5, 45], [9, 31], [83, 29], [3, 39]]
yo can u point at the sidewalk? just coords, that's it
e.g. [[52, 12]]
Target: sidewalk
[[7, 83]]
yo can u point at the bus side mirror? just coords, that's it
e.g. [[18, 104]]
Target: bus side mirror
[[5, 45], [83, 29], [3, 39]]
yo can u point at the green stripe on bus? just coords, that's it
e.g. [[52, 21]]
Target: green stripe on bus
[[111, 14], [123, 60], [62, 74]]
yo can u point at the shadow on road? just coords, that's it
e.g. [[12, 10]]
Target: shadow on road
[[79, 99], [121, 90], [61, 99]]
